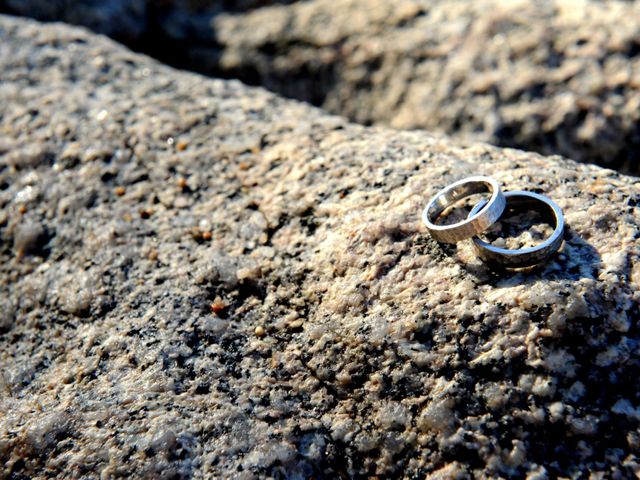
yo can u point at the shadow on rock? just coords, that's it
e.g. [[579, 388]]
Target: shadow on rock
[[576, 260]]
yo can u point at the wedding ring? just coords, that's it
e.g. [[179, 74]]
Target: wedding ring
[[524, 257], [477, 221]]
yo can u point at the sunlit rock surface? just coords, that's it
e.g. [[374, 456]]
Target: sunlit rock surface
[[555, 77], [201, 279]]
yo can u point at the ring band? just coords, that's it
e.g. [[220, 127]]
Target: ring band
[[529, 256], [477, 221]]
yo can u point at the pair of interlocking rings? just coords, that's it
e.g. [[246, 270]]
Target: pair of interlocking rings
[[488, 212]]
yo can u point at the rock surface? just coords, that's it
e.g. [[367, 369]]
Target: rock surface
[[556, 77], [201, 279]]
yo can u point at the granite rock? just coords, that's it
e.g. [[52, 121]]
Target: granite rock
[[556, 77], [201, 279]]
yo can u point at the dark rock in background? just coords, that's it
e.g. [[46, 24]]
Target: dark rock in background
[[234, 285], [554, 77]]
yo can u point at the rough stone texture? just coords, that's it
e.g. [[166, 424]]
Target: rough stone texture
[[200, 279], [557, 77]]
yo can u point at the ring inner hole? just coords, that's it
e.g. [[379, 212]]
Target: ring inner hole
[[523, 224], [454, 206]]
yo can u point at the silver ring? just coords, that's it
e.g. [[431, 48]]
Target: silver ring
[[477, 222], [529, 256]]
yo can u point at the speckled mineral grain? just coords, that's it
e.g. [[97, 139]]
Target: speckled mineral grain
[[199, 279]]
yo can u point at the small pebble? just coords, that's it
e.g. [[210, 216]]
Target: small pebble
[[218, 306], [29, 237]]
